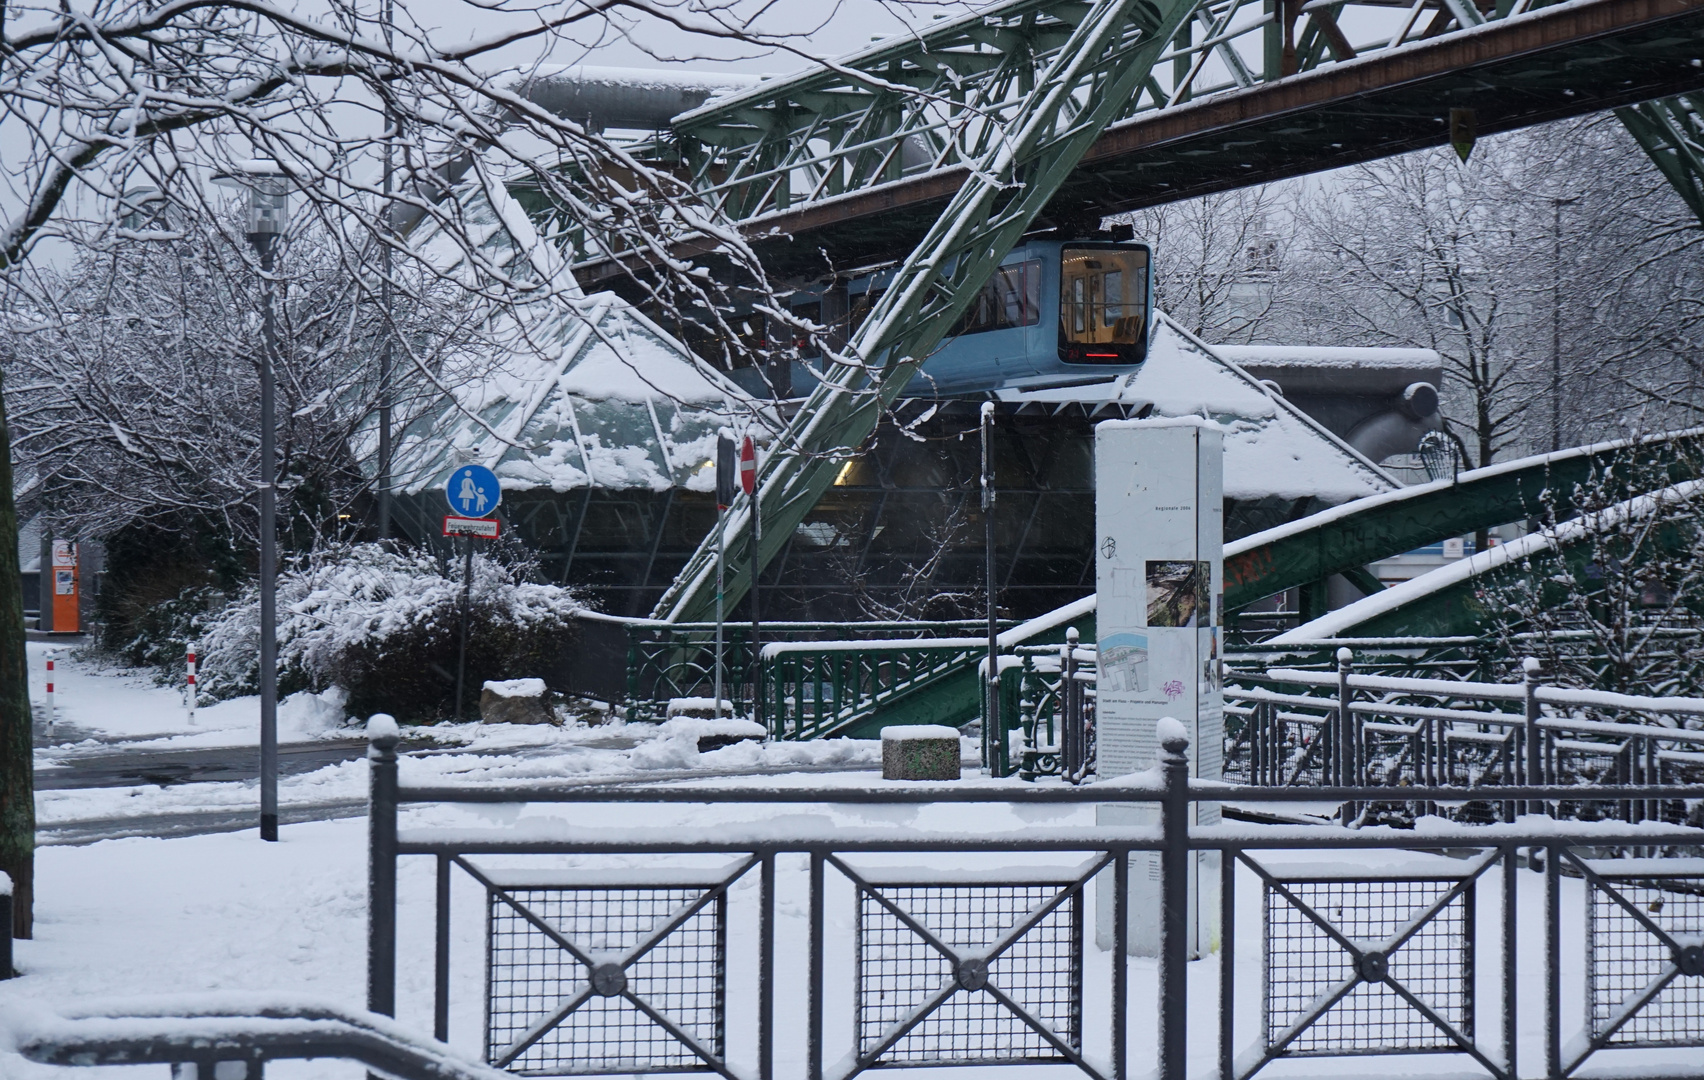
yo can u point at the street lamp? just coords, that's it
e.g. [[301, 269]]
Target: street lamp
[[268, 211]]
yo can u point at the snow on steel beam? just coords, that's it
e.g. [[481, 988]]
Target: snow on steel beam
[[1221, 115], [1109, 56], [1449, 600], [1382, 526]]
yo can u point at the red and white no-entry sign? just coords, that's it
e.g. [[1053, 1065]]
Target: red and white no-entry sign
[[748, 465]]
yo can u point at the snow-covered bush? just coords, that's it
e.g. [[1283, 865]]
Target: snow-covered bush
[[385, 626]]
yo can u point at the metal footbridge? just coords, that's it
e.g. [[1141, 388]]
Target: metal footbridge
[[941, 149]]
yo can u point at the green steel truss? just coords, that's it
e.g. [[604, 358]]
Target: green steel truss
[[1672, 133], [940, 100], [1107, 55]]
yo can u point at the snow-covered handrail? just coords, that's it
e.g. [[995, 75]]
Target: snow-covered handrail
[[210, 1028], [1474, 690], [1477, 691], [782, 648]]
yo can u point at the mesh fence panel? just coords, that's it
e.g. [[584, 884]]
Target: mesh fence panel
[[1435, 965], [897, 971], [682, 977], [1622, 957]]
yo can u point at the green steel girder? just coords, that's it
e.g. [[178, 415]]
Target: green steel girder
[[1458, 608], [1081, 90], [1220, 115], [1355, 534], [1671, 132]]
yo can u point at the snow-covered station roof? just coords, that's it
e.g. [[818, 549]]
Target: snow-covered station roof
[[1271, 447], [620, 405]]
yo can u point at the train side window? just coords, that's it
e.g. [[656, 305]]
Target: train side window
[[1010, 299]]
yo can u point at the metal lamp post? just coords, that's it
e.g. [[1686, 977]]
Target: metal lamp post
[[268, 209]]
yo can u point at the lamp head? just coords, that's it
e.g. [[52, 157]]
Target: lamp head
[[269, 195]]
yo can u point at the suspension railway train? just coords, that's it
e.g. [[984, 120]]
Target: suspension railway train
[[1055, 313]]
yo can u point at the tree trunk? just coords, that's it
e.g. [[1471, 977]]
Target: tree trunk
[[17, 764]]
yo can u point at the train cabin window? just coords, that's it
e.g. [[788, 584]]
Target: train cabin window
[[1010, 299], [1103, 305]]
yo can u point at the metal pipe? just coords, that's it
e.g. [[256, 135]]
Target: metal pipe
[[1345, 736], [1553, 961], [1120, 963], [1174, 908], [441, 955], [766, 968], [813, 1029], [466, 612], [382, 739], [1227, 963], [944, 792], [1511, 897], [991, 733]]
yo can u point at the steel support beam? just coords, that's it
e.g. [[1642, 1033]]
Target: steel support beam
[[1671, 131], [1101, 67]]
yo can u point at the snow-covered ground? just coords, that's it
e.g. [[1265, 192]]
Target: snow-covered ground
[[225, 912], [103, 710], [95, 703], [228, 913]]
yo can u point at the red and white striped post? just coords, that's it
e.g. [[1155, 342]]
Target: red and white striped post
[[49, 689], [189, 688]]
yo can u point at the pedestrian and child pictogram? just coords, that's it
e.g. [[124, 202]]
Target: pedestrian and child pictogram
[[472, 491]]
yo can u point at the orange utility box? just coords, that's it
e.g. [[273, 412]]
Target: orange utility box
[[60, 592]]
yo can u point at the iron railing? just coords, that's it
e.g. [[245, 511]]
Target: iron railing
[[1048, 703], [234, 1038], [610, 952], [817, 689], [1286, 727], [669, 661]]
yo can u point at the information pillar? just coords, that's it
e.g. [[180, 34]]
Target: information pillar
[[1159, 580]]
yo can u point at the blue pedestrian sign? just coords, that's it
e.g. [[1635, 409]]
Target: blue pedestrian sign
[[473, 491]]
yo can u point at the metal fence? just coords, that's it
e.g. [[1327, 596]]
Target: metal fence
[[1048, 692], [1287, 727], [677, 660], [889, 945]]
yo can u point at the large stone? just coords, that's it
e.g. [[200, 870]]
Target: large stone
[[516, 701], [920, 752]]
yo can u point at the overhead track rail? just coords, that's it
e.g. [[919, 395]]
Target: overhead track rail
[[858, 158]]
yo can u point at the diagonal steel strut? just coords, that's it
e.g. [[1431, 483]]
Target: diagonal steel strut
[[1086, 86]]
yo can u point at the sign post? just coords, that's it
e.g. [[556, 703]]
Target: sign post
[[724, 499], [748, 484], [473, 493]]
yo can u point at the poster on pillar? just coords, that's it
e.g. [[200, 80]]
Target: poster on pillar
[[1159, 581]]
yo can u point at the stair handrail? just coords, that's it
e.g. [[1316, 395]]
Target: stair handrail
[[212, 1029]]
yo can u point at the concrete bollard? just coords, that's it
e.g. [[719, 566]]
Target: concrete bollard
[[920, 752]]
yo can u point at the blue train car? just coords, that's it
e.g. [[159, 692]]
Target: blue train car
[[1055, 313]]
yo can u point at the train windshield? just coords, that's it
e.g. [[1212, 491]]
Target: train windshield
[[1103, 305]]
